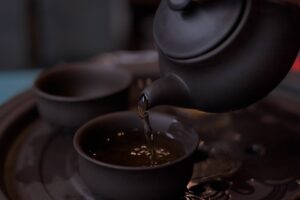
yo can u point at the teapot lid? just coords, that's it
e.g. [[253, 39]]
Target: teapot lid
[[186, 29]]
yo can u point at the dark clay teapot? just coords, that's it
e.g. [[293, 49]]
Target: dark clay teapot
[[222, 55]]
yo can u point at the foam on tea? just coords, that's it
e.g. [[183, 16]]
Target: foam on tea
[[131, 149]]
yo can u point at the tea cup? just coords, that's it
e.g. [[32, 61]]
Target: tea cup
[[115, 180], [68, 95]]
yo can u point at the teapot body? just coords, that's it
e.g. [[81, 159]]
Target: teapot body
[[244, 67]]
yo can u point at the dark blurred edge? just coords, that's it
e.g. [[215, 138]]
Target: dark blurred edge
[[41, 33]]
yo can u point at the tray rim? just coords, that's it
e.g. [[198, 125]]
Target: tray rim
[[10, 114]]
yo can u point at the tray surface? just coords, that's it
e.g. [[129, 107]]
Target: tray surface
[[249, 154]]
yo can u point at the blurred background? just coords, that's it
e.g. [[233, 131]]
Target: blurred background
[[36, 34], [40, 33]]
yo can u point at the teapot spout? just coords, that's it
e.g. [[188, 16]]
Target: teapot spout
[[169, 90]]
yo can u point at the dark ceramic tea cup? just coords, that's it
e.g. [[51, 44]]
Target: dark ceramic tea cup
[[108, 180], [69, 95]]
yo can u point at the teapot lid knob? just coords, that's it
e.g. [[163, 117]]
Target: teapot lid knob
[[182, 4], [179, 4]]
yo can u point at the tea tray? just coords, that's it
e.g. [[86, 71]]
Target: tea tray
[[252, 154]]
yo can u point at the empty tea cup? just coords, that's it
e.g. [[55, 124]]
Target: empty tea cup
[[69, 95], [114, 158]]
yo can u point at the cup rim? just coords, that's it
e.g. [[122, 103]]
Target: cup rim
[[78, 66], [79, 150]]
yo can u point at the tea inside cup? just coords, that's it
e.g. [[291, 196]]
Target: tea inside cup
[[114, 157]]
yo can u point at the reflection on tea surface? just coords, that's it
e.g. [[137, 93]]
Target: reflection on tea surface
[[131, 149]]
